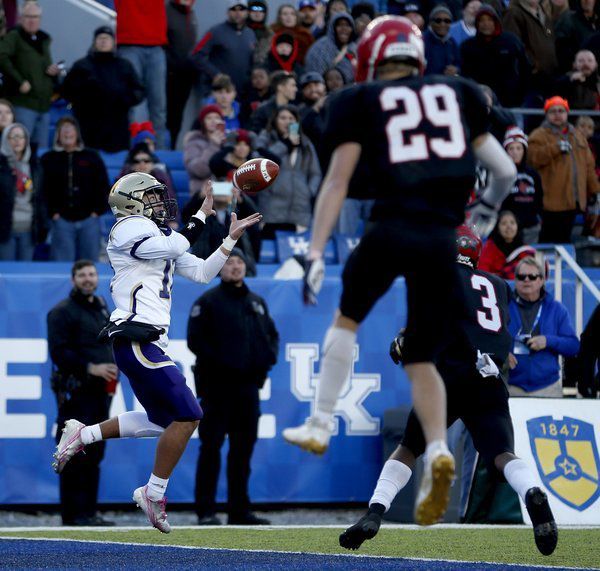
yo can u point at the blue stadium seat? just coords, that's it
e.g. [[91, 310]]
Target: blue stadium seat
[[268, 252], [172, 159]]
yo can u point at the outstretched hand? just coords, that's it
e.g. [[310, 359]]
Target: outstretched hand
[[238, 227], [207, 204]]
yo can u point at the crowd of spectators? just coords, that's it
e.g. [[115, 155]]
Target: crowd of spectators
[[262, 79]]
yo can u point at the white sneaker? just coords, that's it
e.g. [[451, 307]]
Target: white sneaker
[[312, 436], [154, 510], [434, 491], [69, 445]]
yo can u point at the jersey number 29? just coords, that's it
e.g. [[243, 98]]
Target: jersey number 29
[[439, 105]]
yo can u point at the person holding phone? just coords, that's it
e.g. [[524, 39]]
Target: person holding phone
[[287, 203], [542, 331]]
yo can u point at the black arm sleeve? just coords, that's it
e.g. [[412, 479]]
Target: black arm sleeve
[[192, 230]]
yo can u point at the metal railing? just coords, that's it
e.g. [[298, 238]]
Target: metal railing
[[581, 280]]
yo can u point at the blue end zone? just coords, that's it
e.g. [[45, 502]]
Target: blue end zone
[[91, 556]]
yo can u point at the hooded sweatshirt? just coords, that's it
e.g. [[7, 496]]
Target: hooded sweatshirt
[[321, 54], [22, 219]]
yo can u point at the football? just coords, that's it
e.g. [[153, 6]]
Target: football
[[255, 175]]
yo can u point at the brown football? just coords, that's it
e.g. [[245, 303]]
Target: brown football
[[255, 175]]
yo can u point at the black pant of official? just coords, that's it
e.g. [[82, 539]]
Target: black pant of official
[[80, 478], [234, 414], [557, 227]]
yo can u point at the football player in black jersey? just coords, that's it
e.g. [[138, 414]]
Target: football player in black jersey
[[476, 394], [421, 137]]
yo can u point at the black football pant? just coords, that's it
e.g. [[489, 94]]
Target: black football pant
[[80, 478], [234, 414]]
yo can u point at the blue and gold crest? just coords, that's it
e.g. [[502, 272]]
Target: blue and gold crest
[[566, 455]]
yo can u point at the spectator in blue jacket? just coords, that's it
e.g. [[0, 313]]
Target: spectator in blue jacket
[[542, 331], [441, 51]]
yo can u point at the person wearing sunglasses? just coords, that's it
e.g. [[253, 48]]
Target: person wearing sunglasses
[[542, 331], [441, 50]]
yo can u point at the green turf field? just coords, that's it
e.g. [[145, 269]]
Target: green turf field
[[576, 547]]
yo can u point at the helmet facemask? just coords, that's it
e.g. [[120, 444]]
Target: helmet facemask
[[158, 206]]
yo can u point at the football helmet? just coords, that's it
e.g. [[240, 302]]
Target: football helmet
[[468, 245], [389, 37], [142, 194]]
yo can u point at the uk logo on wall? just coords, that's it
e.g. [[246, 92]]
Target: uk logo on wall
[[567, 458]]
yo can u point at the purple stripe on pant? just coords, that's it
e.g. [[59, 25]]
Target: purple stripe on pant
[[161, 390]]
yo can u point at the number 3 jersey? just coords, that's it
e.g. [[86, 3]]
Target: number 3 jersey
[[484, 322], [416, 136], [144, 258]]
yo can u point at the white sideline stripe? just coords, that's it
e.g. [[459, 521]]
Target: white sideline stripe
[[347, 555], [385, 525]]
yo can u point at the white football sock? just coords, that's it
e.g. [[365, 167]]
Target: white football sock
[[156, 487], [520, 477], [436, 446], [91, 434], [394, 476], [135, 424], [336, 362]]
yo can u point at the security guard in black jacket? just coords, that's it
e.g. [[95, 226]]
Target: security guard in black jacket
[[235, 342], [83, 380]]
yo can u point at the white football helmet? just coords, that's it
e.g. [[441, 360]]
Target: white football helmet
[[141, 194]]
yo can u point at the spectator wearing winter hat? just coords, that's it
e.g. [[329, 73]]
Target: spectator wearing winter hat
[[182, 32], [310, 16], [287, 21], [414, 11], [312, 113], [258, 12], [563, 158], [237, 149], [526, 196], [441, 51], [464, 28], [224, 96], [102, 88], [363, 13], [143, 133], [201, 143], [337, 49], [496, 58], [284, 54]]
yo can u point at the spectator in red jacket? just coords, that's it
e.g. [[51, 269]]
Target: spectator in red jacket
[[141, 37], [504, 248]]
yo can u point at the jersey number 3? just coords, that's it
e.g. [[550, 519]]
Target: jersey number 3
[[439, 106], [489, 319]]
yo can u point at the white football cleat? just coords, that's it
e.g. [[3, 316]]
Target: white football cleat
[[312, 436], [154, 510], [434, 491], [69, 445]]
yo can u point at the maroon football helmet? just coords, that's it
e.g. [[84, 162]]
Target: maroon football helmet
[[389, 37], [468, 245]]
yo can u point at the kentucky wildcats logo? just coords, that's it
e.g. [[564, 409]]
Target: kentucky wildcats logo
[[358, 386], [567, 459]]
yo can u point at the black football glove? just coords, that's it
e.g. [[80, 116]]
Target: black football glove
[[314, 273], [396, 347]]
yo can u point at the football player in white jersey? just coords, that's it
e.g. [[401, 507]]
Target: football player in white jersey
[[144, 254]]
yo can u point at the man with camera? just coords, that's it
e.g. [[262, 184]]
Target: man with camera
[[542, 331], [84, 379]]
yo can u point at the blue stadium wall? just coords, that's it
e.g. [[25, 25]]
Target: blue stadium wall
[[280, 473]]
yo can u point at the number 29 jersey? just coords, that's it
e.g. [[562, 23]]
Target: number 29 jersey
[[416, 136]]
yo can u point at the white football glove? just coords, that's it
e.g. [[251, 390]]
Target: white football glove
[[482, 217], [314, 273]]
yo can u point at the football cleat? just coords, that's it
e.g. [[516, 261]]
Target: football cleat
[[312, 436], [69, 445], [365, 528], [544, 526], [434, 491], [154, 510]]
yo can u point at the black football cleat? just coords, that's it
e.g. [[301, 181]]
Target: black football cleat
[[366, 528], [544, 526]]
